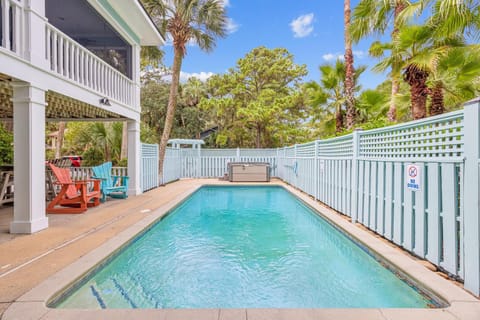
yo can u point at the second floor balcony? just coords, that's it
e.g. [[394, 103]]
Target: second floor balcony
[[85, 42]]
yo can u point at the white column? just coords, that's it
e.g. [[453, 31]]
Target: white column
[[471, 219], [29, 158], [35, 42], [133, 128]]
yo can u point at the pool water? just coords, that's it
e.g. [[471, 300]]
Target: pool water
[[243, 247]]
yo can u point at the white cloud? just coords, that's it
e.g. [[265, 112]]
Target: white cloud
[[302, 26], [202, 76], [340, 56], [232, 26], [225, 3], [332, 56], [359, 54]]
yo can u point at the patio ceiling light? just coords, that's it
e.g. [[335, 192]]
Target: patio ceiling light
[[105, 102]]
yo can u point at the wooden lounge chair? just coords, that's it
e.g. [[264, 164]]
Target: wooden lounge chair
[[73, 194], [6, 187], [113, 186]]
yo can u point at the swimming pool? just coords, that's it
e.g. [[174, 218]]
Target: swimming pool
[[242, 247]]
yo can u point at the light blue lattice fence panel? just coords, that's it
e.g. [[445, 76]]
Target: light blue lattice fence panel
[[427, 222], [149, 166], [334, 157], [435, 138]]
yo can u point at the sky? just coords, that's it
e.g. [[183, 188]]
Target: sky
[[312, 30]]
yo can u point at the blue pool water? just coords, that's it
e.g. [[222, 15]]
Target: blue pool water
[[243, 247]]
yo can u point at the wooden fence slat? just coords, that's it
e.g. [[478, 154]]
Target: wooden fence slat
[[366, 194], [389, 200], [420, 226], [381, 198], [449, 224], [361, 188], [433, 216], [372, 220], [397, 203], [408, 220]]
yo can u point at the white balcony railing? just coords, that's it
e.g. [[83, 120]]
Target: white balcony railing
[[76, 63], [12, 25], [64, 56]]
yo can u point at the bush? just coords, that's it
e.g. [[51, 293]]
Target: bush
[[6, 146]]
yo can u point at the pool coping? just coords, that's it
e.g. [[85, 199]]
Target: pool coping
[[462, 305]]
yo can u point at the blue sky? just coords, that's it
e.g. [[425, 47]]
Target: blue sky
[[312, 30]]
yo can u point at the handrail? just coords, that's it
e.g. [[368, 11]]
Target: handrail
[[75, 62]]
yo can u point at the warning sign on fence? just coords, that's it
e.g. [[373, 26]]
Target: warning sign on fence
[[413, 177]]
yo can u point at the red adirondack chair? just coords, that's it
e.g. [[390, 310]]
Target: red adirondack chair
[[73, 194]]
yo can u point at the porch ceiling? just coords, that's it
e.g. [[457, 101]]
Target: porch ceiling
[[59, 107]]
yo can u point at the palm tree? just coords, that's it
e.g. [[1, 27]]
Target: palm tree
[[411, 51], [451, 20], [193, 90], [150, 56], [349, 69], [453, 79], [375, 17], [200, 21], [329, 94]]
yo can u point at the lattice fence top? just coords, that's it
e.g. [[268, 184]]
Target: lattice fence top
[[438, 137], [149, 150], [306, 150], [258, 152], [340, 147], [288, 152], [218, 152]]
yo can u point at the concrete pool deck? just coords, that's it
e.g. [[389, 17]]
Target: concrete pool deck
[[34, 268]]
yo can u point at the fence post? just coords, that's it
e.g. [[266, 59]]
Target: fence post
[[315, 180], [277, 163], [199, 161], [238, 154], [471, 205], [355, 149]]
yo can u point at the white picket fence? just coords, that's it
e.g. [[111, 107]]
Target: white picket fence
[[364, 175]]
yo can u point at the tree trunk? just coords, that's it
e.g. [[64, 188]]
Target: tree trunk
[[61, 133], [338, 121], [437, 106], [417, 79], [172, 103], [392, 111], [123, 150], [349, 70]]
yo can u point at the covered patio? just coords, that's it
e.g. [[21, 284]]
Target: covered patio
[[30, 150], [71, 60]]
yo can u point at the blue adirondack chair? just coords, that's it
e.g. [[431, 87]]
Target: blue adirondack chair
[[113, 186]]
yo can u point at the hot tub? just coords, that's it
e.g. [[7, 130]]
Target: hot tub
[[249, 171]]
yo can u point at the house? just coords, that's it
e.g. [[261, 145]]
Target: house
[[68, 60]]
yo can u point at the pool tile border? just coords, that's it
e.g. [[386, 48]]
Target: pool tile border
[[33, 304]]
